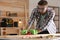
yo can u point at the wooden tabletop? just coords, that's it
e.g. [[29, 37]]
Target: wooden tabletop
[[28, 36]]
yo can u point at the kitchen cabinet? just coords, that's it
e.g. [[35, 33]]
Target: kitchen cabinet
[[17, 10]]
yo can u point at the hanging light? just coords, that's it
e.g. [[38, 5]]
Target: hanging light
[[20, 21]]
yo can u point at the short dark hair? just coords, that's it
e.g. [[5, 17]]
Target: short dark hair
[[42, 2]]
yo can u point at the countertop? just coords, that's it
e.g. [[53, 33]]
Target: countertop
[[31, 37]]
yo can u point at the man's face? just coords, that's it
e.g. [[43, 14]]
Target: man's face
[[42, 9]]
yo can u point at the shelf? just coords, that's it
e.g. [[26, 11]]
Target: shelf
[[17, 11], [10, 17]]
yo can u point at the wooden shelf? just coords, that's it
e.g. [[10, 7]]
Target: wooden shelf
[[13, 6]]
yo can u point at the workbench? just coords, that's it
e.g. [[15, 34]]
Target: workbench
[[32, 37]]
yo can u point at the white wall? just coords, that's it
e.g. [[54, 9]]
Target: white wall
[[33, 4], [53, 2]]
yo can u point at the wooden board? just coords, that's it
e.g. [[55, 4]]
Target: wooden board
[[30, 36]]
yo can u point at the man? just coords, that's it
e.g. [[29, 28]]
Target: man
[[44, 18]]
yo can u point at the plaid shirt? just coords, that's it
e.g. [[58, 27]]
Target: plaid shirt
[[42, 20]]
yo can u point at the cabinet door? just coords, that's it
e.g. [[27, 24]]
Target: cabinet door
[[15, 6]]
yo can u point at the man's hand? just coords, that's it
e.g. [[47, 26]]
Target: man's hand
[[39, 30], [22, 28]]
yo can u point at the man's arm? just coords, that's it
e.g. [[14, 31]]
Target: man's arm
[[31, 20]]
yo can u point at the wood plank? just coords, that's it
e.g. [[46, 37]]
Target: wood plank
[[32, 36], [12, 4]]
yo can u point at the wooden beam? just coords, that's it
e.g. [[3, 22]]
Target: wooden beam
[[21, 4]]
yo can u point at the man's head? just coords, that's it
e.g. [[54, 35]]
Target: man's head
[[42, 6]]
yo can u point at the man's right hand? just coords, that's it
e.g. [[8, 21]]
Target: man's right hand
[[39, 30]]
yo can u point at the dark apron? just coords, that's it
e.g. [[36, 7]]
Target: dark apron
[[44, 32]]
